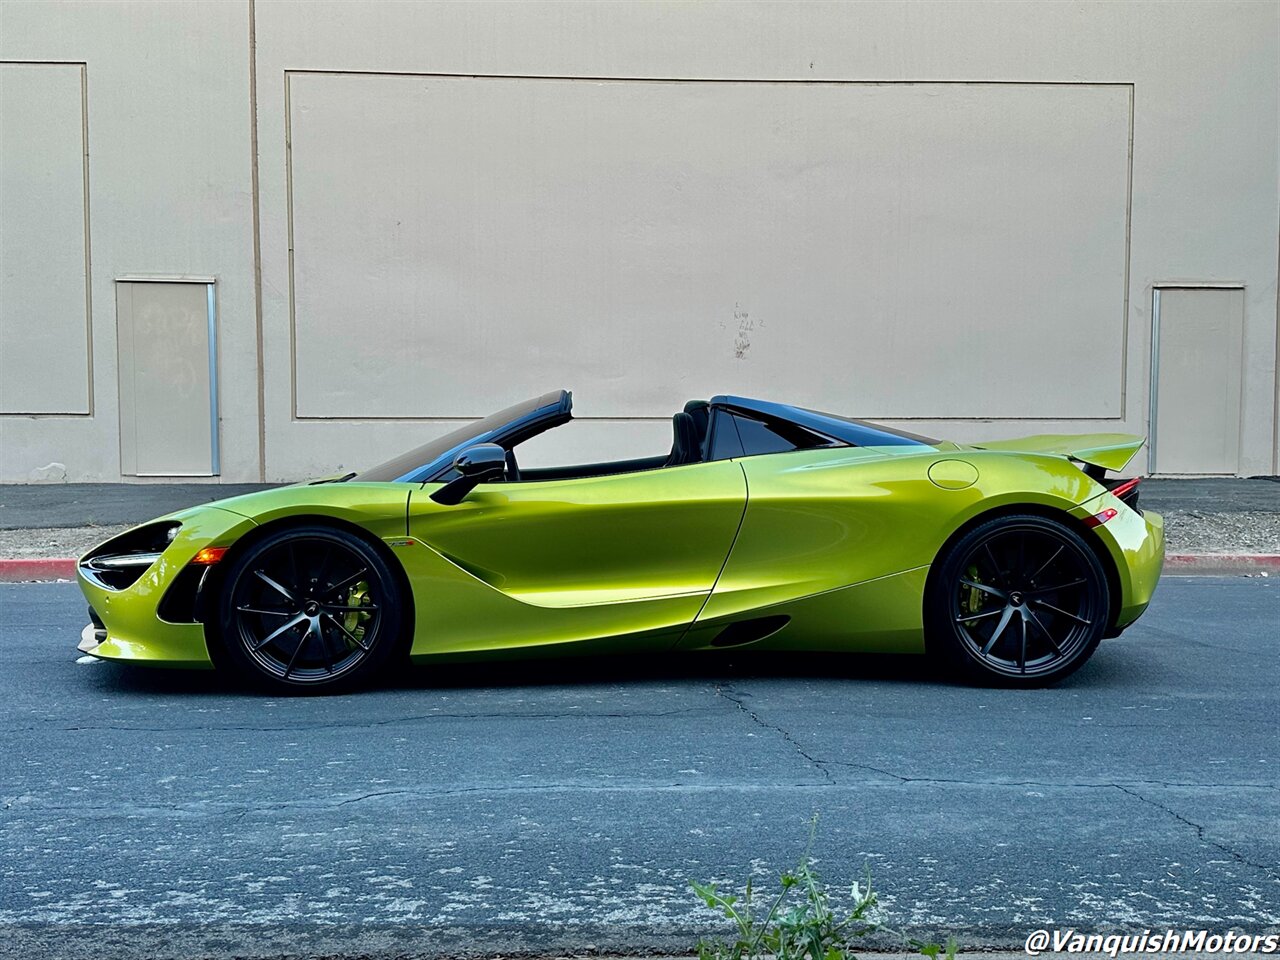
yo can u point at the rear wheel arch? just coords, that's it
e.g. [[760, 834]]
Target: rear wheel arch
[[1091, 539]]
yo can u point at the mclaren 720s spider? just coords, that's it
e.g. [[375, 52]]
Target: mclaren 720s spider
[[766, 525]]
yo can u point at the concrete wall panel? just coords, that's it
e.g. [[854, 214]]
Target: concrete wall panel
[[44, 310], [645, 242]]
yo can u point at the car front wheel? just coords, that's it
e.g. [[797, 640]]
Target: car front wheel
[[309, 609]]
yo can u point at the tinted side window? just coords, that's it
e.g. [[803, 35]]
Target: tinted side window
[[757, 438], [725, 444], [734, 435]]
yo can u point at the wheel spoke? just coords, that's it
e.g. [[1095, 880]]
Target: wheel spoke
[[347, 582], [1043, 629], [293, 658], [330, 658], [322, 567], [980, 616], [270, 613], [1045, 566], [985, 588], [1022, 657], [999, 630], [350, 636], [275, 586], [345, 609], [292, 549], [995, 567], [1063, 586], [271, 636], [1050, 606]]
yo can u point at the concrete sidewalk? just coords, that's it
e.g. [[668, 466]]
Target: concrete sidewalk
[[1227, 517], [25, 506]]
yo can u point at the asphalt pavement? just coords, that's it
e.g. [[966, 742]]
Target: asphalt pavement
[[560, 809]]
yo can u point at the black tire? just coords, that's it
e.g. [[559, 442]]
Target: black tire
[[1018, 601], [309, 610]]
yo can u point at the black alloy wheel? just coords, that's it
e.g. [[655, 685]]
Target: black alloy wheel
[[1018, 601], [310, 608]]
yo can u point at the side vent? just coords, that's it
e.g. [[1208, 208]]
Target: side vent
[[749, 631], [181, 602]]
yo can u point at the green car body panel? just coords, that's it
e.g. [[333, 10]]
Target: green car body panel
[[136, 632], [830, 548]]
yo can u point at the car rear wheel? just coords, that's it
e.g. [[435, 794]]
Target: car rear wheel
[[309, 609], [1019, 601]]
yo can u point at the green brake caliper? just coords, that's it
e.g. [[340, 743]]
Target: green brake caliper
[[971, 598], [355, 620]]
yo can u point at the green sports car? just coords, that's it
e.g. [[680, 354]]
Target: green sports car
[[766, 525]]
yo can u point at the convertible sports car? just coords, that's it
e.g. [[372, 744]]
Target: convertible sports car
[[766, 525]]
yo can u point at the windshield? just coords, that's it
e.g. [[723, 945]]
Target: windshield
[[407, 464]]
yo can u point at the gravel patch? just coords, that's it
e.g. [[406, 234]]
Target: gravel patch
[[1190, 531], [54, 541]]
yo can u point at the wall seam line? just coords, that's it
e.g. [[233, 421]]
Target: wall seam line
[[257, 241]]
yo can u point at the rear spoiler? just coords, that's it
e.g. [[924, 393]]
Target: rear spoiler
[[1108, 451]]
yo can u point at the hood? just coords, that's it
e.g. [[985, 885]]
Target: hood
[[1110, 451]]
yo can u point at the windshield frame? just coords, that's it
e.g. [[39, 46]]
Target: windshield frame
[[433, 460], [847, 430]]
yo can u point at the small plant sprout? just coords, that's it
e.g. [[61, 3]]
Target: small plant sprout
[[799, 922]]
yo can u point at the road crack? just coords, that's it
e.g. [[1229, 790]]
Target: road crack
[[345, 725], [726, 691], [1201, 833]]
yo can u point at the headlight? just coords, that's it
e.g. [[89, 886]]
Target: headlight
[[120, 561]]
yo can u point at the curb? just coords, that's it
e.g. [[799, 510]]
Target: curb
[[1191, 564], [1175, 565], [37, 568]]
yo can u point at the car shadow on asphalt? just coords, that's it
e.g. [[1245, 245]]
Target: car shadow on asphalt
[[1116, 665], [563, 671], [698, 667]]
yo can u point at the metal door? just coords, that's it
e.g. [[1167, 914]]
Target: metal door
[[167, 348], [1196, 361]]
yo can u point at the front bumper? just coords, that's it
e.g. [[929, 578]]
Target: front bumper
[[131, 629]]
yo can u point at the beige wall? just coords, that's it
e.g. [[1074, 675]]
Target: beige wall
[[945, 215], [169, 193]]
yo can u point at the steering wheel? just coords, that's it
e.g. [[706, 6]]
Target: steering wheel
[[513, 468]]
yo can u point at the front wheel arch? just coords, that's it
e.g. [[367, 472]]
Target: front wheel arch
[[211, 589]]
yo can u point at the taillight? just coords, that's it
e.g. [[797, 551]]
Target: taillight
[[1098, 519], [1125, 487], [1126, 491]]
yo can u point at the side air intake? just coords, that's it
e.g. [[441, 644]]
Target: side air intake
[[749, 631]]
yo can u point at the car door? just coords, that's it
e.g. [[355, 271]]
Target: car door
[[821, 517], [625, 560]]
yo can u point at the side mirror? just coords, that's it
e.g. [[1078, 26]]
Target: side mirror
[[475, 465]]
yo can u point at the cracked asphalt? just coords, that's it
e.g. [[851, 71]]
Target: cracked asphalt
[[560, 809]]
